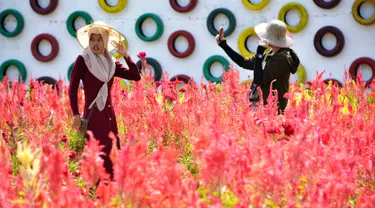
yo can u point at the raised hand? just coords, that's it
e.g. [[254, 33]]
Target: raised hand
[[120, 48], [220, 37]]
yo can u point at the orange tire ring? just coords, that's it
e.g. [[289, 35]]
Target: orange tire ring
[[181, 77], [43, 11], [171, 44], [355, 65], [51, 40], [318, 41], [48, 80], [334, 82], [327, 4], [174, 4]]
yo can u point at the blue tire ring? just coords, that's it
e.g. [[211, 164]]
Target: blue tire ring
[[159, 25], [43, 11], [207, 65], [12, 62], [158, 72], [71, 19], [20, 23], [211, 18]]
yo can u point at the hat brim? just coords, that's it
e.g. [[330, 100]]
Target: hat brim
[[261, 31], [113, 35]]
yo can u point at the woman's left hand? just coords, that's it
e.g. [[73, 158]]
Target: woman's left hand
[[120, 48]]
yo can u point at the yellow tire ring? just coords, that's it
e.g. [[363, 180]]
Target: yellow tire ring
[[301, 74], [357, 15], [113, 9], [244, 51], [125, 42], [256, 7], [304, 16]]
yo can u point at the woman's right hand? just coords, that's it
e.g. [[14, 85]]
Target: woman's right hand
[[76, 122], [220, 37]]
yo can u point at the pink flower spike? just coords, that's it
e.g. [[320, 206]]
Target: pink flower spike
[[141, 55]]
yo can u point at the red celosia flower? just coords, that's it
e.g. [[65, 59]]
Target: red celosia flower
[[288, 129]]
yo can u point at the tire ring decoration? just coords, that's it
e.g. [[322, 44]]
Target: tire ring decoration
[[326, 4], [355, 65], [12, 62], [71, 19], [51, 40], [318, 41], [192, 4], [357, 15], [159, 24], [70, 70], [301, 74], [207, 65], [43, 11], [112, 9], [255, 7], [48, 80], [211, 17], [181, 77], [125, 42], [242, 42], [304, 16], [158, 72], [334, 82], [171, 44], [20, 23]]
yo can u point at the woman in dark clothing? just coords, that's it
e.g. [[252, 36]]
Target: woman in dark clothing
[[275, 65], [97, 69]]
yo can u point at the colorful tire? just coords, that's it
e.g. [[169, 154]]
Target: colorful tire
[[207, 65], [159, 24], [125, 42], [71, 19], [113, 9], [356, 13], [327, 4], [20, 23], [51, 40], [158, 72], [211, 17], [255, 7], [43, 11], [171, 44], [364, 60], [304, 16], [318, 41], [21, 69], [70, 71], [242, 42], [301, 74], [334, 82], [192, 4], [181, 77]]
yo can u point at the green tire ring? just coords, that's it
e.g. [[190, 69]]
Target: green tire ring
[[159, 24], [304, 16], [207, 65], [112, 9], [70, 71], [255, 7], [356, 13], [211, 18], [20, 22], [12, 62], [125, 42], [72, 17]]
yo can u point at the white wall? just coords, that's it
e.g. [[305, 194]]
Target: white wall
[[358, 38]]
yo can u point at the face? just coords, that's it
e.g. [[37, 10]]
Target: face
[[96, 43]]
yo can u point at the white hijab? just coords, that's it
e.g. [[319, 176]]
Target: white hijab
[[102, 66]]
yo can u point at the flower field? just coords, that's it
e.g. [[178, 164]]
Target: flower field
[[200, 146]]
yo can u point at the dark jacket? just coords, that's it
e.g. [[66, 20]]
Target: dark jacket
[[278, 67]]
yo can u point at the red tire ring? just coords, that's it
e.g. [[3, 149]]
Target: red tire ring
[[334, 82], [43, 11], [48, 80], [364, 60], [51, 40], [171, 43], [318, 41], [174, 4], [326, 5], [181, 77]]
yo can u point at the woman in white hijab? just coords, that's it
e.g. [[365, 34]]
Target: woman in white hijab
[[97, 69]]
